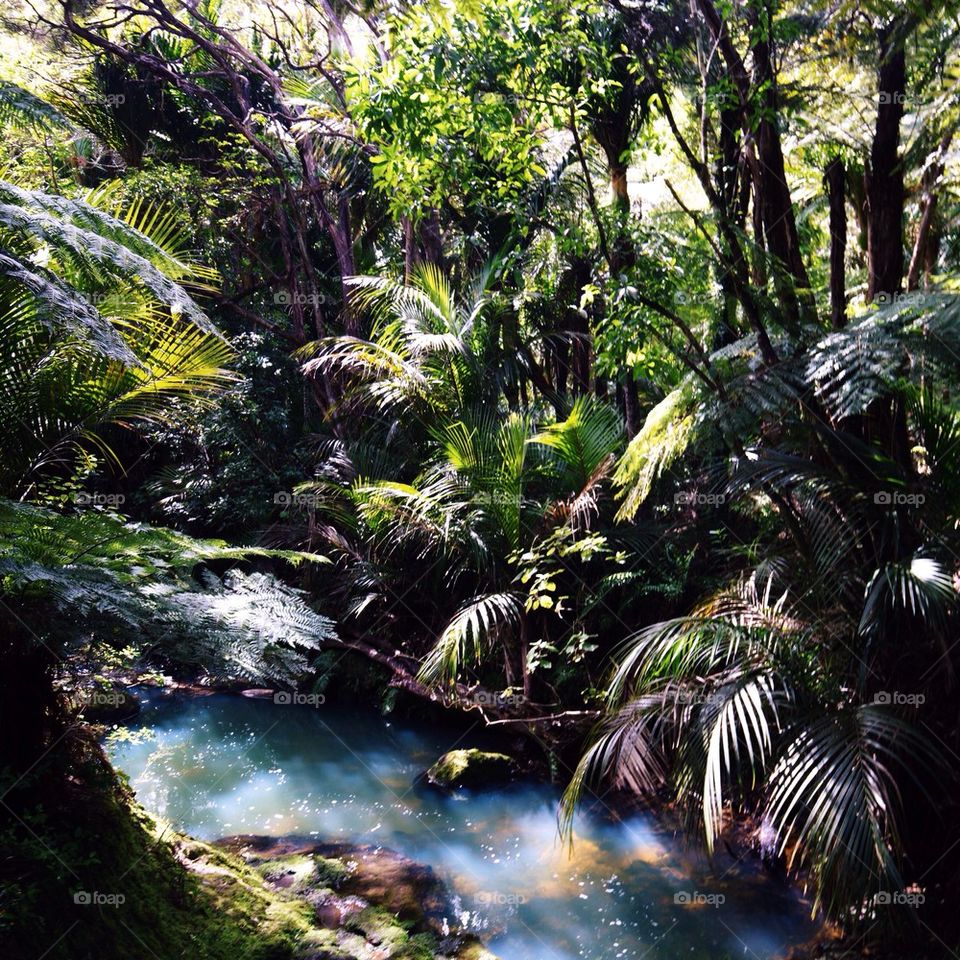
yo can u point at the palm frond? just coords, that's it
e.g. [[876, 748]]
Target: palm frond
[[835, 797], [922, 587], [665, 435], [466, 637], [586, 440]]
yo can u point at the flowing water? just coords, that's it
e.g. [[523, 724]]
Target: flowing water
[[220, 765]]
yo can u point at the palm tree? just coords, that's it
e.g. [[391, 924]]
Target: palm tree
[[492, 491], [793, 693], [494, 485], [428, 351]]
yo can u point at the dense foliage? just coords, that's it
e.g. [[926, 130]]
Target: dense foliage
[[587, 366]]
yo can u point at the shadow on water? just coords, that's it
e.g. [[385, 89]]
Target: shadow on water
[[221, 765]]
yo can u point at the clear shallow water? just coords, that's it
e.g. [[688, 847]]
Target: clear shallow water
[[220, 765]]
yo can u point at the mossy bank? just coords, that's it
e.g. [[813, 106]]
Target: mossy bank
[[142, 890]]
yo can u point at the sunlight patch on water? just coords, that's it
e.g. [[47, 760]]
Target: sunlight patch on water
[[223, 765]]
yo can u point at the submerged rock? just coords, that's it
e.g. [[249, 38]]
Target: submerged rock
[[473, 769]]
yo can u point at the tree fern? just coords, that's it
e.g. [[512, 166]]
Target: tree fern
[[21, 108], [100, 335], [72, 576]]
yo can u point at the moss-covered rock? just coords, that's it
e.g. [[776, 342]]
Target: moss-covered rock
[[302, 872], [89, 874], [148, 891], [409, 890], [472, 949], [371, 903], [305, 902], [473, 769], [86, 873]]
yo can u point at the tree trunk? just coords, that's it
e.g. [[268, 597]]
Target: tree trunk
[[926, 247], [631, 405], [857, 194], [409, 249], [522, 656], [776, 203], [835, 177], [885, 189], [619, 187], [31, 712], [431, 239]]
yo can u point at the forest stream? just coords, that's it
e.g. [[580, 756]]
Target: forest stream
[[224, 765]]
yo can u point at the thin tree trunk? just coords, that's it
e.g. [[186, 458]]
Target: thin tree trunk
[[857, 194], [409, 249], [524, 669], [776, 203], [631, 405], [619, 187], [431, 238], [885, 188], [835, 177], [926, 232]]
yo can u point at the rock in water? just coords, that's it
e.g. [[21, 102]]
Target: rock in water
[[473, 769]]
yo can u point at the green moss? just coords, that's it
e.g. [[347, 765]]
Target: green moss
[[299, 872], [330, 872], [325, 943], [157, 894], [419, 947], [474, 950], [379, 927], [471, 768], [293, 873], [238, 892]]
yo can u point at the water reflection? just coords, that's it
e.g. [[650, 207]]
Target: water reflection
[[223, 765]]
